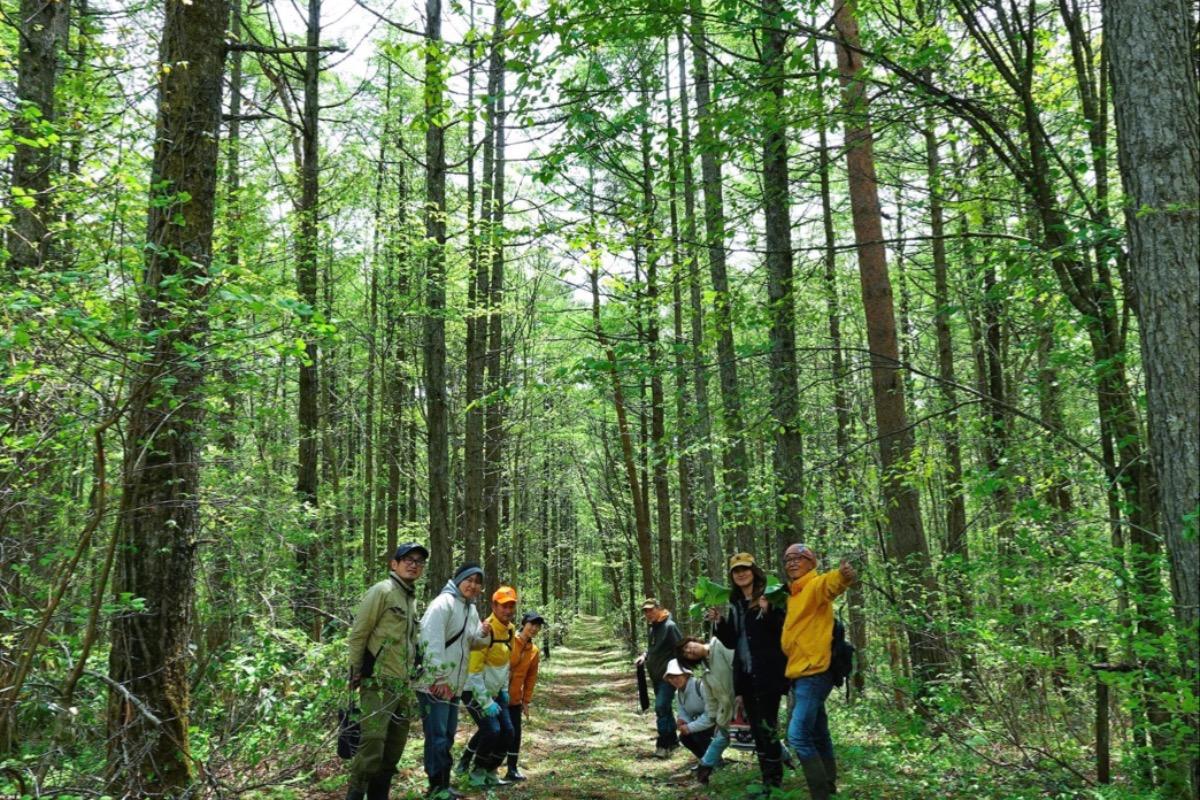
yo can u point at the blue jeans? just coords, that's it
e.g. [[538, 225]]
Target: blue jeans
[[439, 721], [712, 756], [492, 741], [664, 695], [808, 730]]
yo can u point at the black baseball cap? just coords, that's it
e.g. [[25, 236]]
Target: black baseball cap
[[408, 547]]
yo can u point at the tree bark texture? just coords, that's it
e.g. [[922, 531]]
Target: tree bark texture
[[789, 444], [703, 416], [735, 459], [160, 514], [43, 27], [1158, 125], [909, 547], [437, 413]]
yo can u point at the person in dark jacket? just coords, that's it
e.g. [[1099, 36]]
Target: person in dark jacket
[[751, 627], [660, 649]]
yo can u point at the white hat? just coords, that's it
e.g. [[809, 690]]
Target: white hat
[[673, 668]]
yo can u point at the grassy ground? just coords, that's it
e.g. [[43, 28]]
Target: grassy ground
[[586, 741]]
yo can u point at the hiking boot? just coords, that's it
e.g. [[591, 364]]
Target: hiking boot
[[514, 776], [772, 771], [662, 752], [830, 765], [818, 780], [702, 775], [377, 789]]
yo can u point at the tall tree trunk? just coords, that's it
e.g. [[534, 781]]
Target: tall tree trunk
[[436, 415], [789, 453], [956, 506], [658, 434], [42, 35], [307, 554], [378, 233], [1155, 103], [683, 437], [160, 519], [478, 270], [641, 517], [735, 460], [494, 417], [846, 492], [703, 418], [918, 590], [395, 444]]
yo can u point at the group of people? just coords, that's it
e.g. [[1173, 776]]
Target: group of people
[[757, 655], [403, 667]]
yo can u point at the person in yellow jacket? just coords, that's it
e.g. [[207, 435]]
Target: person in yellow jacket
[[523, 672], [486, 695], [807, 641]]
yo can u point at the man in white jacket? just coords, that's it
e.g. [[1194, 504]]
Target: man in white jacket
[[450, 629]]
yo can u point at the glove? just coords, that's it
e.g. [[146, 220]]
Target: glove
[[491, 710], [503, 697]]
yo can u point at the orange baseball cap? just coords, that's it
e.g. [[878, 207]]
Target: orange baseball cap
[[505, 594]]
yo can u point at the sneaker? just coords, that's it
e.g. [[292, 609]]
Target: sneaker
[[514, 776], [662, 752]]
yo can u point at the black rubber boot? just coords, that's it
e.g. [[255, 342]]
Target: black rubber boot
[[378, 787], [772, 771], [830, 772], [463, 767], [814, 774]]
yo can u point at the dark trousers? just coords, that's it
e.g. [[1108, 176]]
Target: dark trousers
[[762, 712], [490, 743], [664, 716], [698, 742], [514, 746]]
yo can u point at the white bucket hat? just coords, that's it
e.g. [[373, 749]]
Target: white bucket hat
[[674, 668]]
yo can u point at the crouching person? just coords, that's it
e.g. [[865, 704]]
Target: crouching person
[[450, 629], [487, 695], [383, 649], [693, 722], [523, 672], [713, 670]]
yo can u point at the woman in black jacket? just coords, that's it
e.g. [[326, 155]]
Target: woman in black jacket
[[751, 627]]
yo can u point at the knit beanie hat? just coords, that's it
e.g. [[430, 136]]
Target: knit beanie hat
[[465, 571]]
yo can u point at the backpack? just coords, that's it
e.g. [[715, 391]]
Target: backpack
[[841, 661]]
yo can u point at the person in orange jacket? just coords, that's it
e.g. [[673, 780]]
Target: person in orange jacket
[[807, 641], [522, 678]]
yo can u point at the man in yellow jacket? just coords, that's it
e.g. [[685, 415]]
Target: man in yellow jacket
[[807, 640]]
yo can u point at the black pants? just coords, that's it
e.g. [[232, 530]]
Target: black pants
[[698, 742], [514, 748], [762, 712]]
